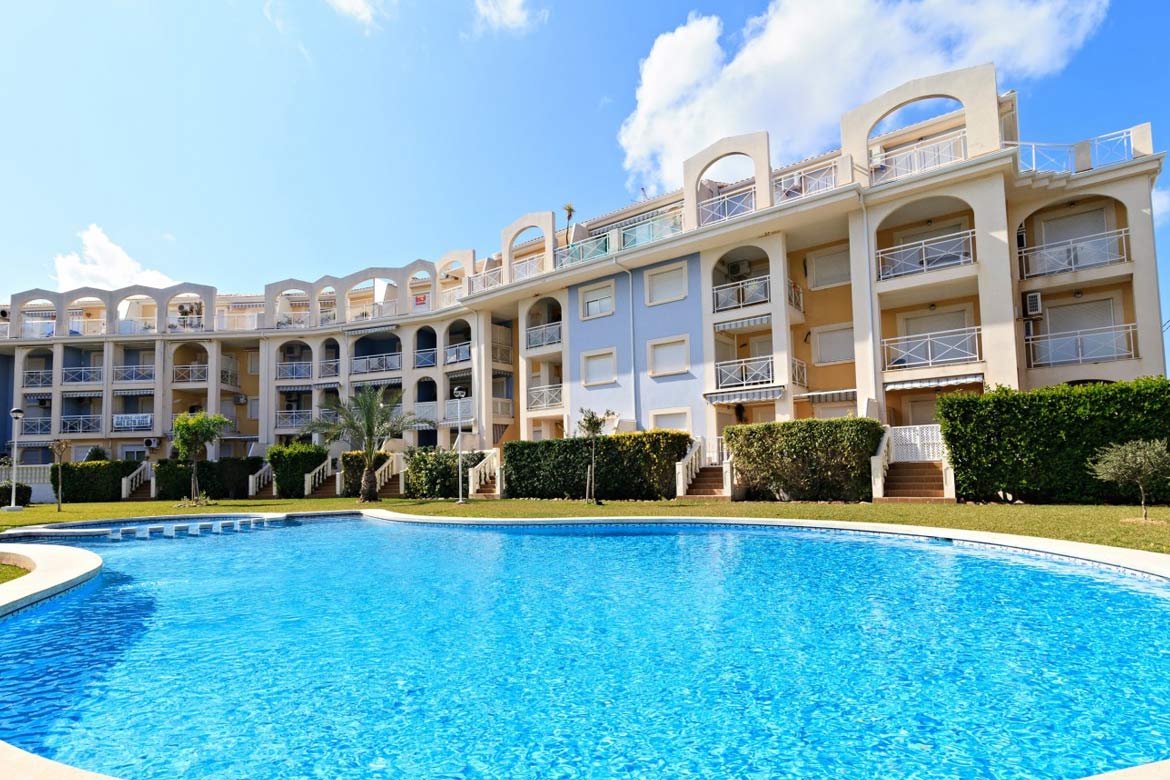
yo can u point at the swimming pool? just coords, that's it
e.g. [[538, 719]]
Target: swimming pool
[[359, 648]]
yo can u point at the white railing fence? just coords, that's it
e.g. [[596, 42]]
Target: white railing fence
[[257, 481], [582, 252], [317, 476], [369, 364], [919, 157], [929, 255], [80, 374], [458, 353], [493, 277], [483, 472], [748, 371], [195, 372], [298, 369], [36, 426], [460, 409], [293, 418], [736, 295], [687, 469], [40, 377], [81, 423], [795, 295], [503, 407], [722, 207], [544, 396], [1112, 148], [805, 182], [656, 228], [916, 443], [716, 452], [932, 349], [879, 465], [799, 370], [426, 358], [1055, 158], [135, 479], [28, 475], [1093, 345], [543, 335], [1075, 254], [139, 373]]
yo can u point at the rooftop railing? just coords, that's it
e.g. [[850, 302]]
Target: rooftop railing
[[184, 323], [744, 373], [929, 255], [294, 319], [924, 350], [1092, 345], [132, 326], [79, 326], [918, 157], [736, 295], [582, 252], [485, 280], [653, 229], [1075, 254], [722, 207], [1108, 149], [37, 329], [527, 268], [805, 182]]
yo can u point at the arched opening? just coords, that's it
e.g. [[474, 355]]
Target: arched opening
[[294, 361], [1073, 235], [458, 343], [917, 136], [425, 347], [926, 235], [293, 309], [741, 278], [372, 299], [38, 319], [37, 382], [426, 408], [190, 364], [137, 314], [421, 287], [329, 361], [87, 317], [376, 352], [543, 324], [327, 305], [38, 368], [185, 313], [528, 258], [726, 188], [451, 283]]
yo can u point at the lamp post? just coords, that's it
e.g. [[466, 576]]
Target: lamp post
[[460, 394], [17, 415]]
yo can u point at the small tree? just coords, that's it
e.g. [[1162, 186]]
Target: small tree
[[570, 210], [192, 433], [59, 447], [96, 453], [591, 425], [1139, 462]]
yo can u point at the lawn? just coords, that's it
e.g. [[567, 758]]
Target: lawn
[[10, 572], [1095, 524]]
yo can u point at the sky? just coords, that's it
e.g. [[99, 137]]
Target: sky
[[239, 142]]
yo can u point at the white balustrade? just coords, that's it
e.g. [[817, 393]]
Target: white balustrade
[[501, 353], [799, 371], [743, 373], [493, 277], [37, 328], [371, 364], [1075, 254], [939, 348], [543, 335], [929, 255], [457, 353], [656, 228], [36, 426], [1092, 345], [317, 476], [727, 206], [794, 185], [545, 397], [184, 323], [458, 409], [918, 157], [916, 443], [527, 268], [582, 252], [237, 321], [329, 368], [194, 372], [1054, 158], [293, 418], [795, 295], [81, 423], [449, 297], [481, 473], [257, 481], [294, 319], [502, 407], [79, 326], [135, 479], [687, 469], [296, 369], [747, 292], [426, 410], [130, 326], [143, 372], [41, 377], [426, 358]]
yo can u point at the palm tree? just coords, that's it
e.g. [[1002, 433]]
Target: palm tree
[[570, 210], [364, 421]]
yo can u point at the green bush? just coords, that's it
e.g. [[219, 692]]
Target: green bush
[[290, 464], [630, 466], [94, 480], [434, 473], [352, 465], [96, 453], [218, 479], [1035, 445], [23, 493], [806, 460]]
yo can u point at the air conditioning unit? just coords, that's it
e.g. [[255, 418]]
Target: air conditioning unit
[[1033, 304], [44, 403], [150, 442], [290, 407], [738, 269], [240, 400]]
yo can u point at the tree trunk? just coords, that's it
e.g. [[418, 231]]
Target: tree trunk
[[194, 480], [369, 485], [1145, 514]]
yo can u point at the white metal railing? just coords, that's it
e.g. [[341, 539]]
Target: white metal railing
[[716, 452], [493, 277], [799, 370], [28, 474], [545, 396], [1075, 254], [1057, 158], [736, 295], [293, 418], [135, 479], [1093, 345], [426, 358], [184, 322], [36, 426], [745, 372], [795, 185], [294, 319], [129, 326], [257, 481], [482, 472], [448, 297], [79, 326], [326, 316], [656, 228], [795, 295], [237, 321], [1112, 148], [81, 423], [193, 372], [370, 364], [503, 407], [457, 353], [71, 374], [916, 443], [229, 371], [687, 469], [40, 377], [138, 421], [918, 157], [879, 465], [4, 330], [939, 348], [37, 329], [582, 252], [143, 372], [458, 409], [528, 267], [921, 256], [317, 476], [543, 335], [501, 353], [371, 311], [721, 207], [329, 368], [297, 369], [426, 410]]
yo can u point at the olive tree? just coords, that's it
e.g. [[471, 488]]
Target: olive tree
[[591, 425], [191, 435], [1140, 462]]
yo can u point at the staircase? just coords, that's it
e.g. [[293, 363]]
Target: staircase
[[391, 489], [140, 493], [327, 489], [708, 485], [914, 482]]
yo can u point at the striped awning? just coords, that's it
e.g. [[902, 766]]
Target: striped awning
[[37, 396], [744, 324], [462, 373], [135, 391], [241, 436], [29, 445], [456, 423], [386, 327], [294, 388], [394, 381], [501, 372], [746, 395], [327, 385], [82, 394], [827, 396], [945, 381]]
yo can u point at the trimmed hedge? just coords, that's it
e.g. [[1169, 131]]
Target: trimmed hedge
[[630, 466], [218, 479], [352, 466], [94, 480], [23, 494], [806, 460], [1035, 445], [290, 464], [434, 473]]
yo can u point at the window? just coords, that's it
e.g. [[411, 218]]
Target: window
[[253, 408], [671, 419], [597, 301], [668, 356], [829, 269], [253, 363], [664, 285], [830, 411], [598, 367], [833, 344]]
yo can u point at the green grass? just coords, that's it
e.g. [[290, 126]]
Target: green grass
[[10, 572], [1095, 524]]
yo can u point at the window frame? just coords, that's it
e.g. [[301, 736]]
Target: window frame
[[649, 273], [816, 350], [685, 339], [585, 290], [684, 410], [813, 257], [596, 353]]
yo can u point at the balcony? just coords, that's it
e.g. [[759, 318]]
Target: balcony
[[426, 358], [133, 422], [37, 329], [229, 376], [582, 252], [493, 277], [736, 295], [327, 317], [80, 374], [372, 311], [42, 377], [293, 418], [83, 327], [194, 372], [36, 426], [238, 321], [426, 410], [919, 157], [81, 423], [502, 407], [449, 298], [799, 370], [139, 373], [941, 348], [1098, 152], [501, 353], [929, 255], [329, 368], [300, 369], [543, 335], [1075, 254], [457, 353], [655, 228], [723, 207], [545, 397], [527, 268], [460, 409], [184, 323], [1095, 345], [371, 364], [133, 326], [795, 296], [744, 373], [295, 319], [803, 183]]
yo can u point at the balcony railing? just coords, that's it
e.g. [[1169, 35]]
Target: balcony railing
[[501, 353], [372, 311], [919, 157], [743, 373], [502, 407], [1057, 158], [426, 358], [194, 372], [799, 371], [805, 182], [654, 229], [140, 373], [81, 423], [1076, 254], [294, 319], [329, 368], [940, 348], [37, 329], [326, 316], [493, 277], [545, 397], [238, 321], [36, 426], [300, 369], [736, 295], [543, 335], [130, 326], [929, 255], [41, 377], [457, 353], [458, 409], [79, 326], [293, 418], [721, 207], [1094, 345], [229, 376], [449, 297], [582, 252], [795, 295], [369, 364], [528, 267], [133, 422], [426, 410], [81, 374], [182, 323]]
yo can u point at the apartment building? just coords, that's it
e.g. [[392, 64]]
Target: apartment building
[[943, 255]]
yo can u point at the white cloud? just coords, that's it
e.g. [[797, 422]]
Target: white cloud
[[1161, 204], [802, 64], [509, 15], [362, 11], [103, 264]]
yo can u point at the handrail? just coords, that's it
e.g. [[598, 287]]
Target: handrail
[[919, 157], [726, 206], [747, 371], [581, 252], [457, 353], [660, 226], [193, 372], [1074, 254], [879, 464], [481, 473], [317, 476], [928, 255], [369, 364], [794, 185], [543, 335], [257, 481], [799, 370], [729, 476], [38, 377], [36, 426], [81, 374], [294, 369], [143, 372], [135, 479], [527, 268], [389, 469], [1073, 347], [485, 280], [545, 396], [81, 423], [942, 347], [28, 474], [687, 469], [747, 292]]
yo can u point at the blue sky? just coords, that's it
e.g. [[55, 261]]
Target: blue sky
[[235, 142]]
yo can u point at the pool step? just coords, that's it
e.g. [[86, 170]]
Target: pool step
[[192, 527]]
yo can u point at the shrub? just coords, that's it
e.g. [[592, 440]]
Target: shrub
[[1144, 464], [353, 463], [96, 453], [290, 464], [23, 493], [630, 466], [1036, 445], [223, 478], [434, 473], [806, 460], [90, 481]]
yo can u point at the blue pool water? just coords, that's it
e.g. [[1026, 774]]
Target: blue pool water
[[357, 648]]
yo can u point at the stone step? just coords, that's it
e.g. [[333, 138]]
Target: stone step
[[913, 500]]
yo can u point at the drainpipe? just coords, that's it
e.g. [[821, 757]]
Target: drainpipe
[[633, 341]]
